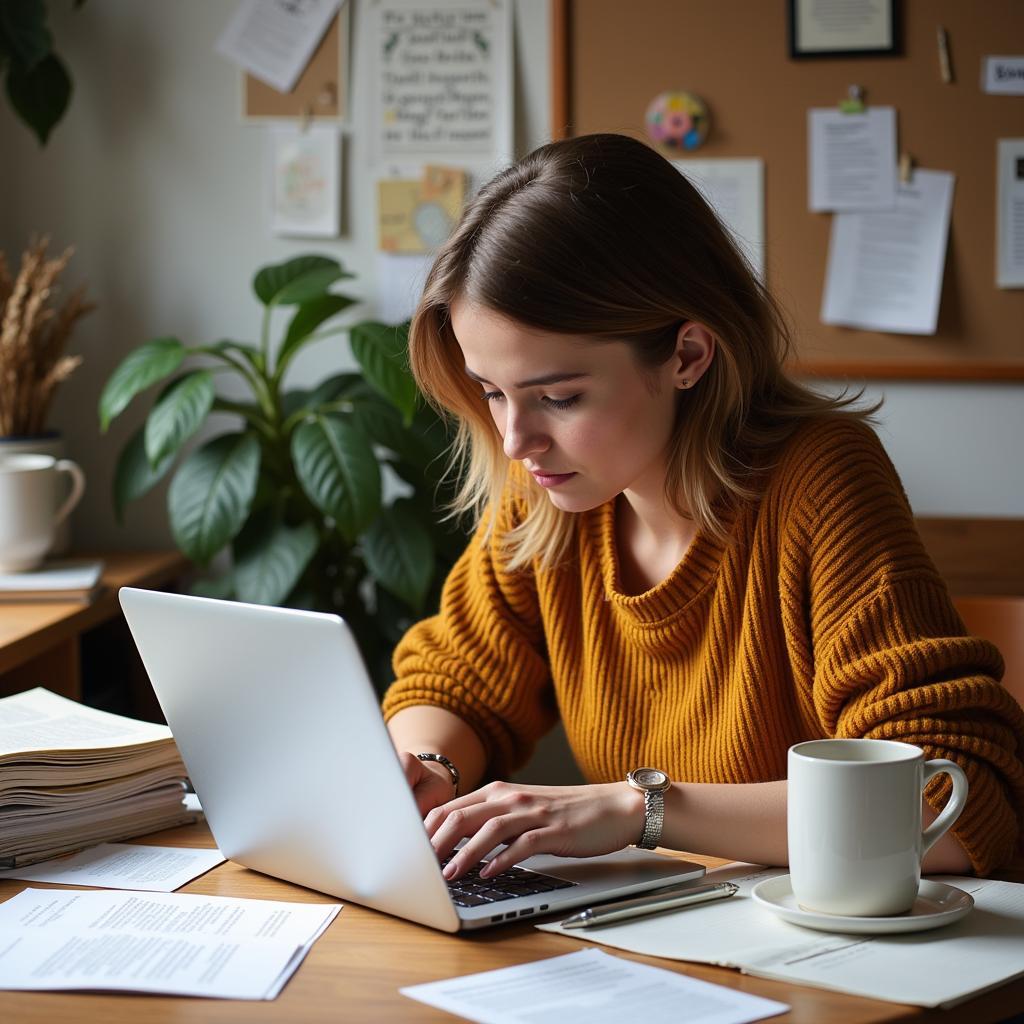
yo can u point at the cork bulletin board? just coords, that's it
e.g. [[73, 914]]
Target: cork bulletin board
[[609, 59], [322, 88]]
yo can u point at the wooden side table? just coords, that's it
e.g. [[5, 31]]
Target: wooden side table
[[40, 641]]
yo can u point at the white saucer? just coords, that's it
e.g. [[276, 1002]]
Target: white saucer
[[937, 904]]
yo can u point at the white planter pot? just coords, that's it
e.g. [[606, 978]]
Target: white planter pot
[[45, 444]]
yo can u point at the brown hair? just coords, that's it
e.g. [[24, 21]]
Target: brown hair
[[601, 236]]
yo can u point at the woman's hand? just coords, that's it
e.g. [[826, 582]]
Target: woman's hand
[[569, 821], [430, 782]]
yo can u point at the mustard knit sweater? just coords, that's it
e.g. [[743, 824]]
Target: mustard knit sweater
[[820, 615]]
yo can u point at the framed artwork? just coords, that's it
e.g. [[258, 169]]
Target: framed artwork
[[844, 28]]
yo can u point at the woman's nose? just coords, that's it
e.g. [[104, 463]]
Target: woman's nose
[[520, 439]]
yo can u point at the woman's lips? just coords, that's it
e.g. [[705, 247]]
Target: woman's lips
[[551, 479]]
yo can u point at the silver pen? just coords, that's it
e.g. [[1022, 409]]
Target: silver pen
[[652, 903]]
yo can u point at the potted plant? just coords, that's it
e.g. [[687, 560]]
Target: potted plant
[[295, 493]]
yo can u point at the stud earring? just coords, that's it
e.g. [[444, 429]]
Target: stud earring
[[684, 384]]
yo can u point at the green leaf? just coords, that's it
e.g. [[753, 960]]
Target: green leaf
[[400, 554], [297, 280], [382, 423], [381, 351], [270, 559], [140, 369], [222, 588], [329, 390], [211, 494], [308, 317], [24, 36], [134, 475], [338, 471], [178, 414], [250, 353], [41, 95]]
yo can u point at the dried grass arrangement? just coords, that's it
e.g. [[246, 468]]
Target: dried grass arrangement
[[33, 338]]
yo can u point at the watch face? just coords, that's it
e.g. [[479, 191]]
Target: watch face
[[650, 778]]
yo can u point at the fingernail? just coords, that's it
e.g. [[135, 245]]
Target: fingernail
[[487, 870], [449, 870]]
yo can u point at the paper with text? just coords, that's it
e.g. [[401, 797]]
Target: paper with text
[[274, 40], [1010, 214], [123, 866], [734, 189], [852, 159], [594, 987], [171, 943], [1003, 75], [936, 968], [38, 720], [441, 79], [885, 269]]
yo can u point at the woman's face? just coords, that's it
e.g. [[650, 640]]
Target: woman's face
[[580, 415]]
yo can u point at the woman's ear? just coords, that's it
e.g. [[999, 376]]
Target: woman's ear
[[695, 348]]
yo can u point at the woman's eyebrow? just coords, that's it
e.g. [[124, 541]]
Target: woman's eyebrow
[[533, 382]]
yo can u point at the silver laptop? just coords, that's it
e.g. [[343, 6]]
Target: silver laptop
[[281, 732]]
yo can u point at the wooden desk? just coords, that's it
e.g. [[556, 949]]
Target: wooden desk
[[39, 641], [356, 968]]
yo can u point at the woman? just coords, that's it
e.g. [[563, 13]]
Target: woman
[[691, 559]]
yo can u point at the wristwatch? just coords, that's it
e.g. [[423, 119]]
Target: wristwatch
[[442, 760], [653, 784]]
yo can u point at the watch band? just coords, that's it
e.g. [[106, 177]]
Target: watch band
[[654, 819], [653, 783], [441, 759]]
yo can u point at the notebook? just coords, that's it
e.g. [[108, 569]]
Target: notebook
[[281, 732]]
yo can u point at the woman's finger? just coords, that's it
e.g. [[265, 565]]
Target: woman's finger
[[489, 793], [464, 823], [498, 830], [529, 844]]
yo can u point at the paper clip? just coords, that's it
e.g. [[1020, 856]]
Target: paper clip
[[854, 102], [945, 67], [906, 168]]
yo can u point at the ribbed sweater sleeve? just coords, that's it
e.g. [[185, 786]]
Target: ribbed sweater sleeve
[[482, 656], [891, 658]]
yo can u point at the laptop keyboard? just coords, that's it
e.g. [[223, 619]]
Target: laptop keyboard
[[473, 891]]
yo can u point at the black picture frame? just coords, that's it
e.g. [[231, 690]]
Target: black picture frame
[[893, 21]]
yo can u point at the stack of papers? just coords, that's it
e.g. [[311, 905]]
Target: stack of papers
[[174, 943], [66, 580], [72, 776]]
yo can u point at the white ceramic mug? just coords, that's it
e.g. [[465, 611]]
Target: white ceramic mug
[[31, 508], [855, 838]]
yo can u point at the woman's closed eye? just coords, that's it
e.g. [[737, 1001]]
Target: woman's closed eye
[[554, 403]]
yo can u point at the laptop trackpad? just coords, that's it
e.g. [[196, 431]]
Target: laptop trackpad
[[625, 867]]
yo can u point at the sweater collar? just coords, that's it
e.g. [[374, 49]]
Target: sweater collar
[[673, 595]]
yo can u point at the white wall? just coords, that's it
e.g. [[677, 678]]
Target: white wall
[[158, 184], [155, 180]]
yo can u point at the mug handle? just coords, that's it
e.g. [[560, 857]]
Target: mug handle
[[954, 805], [77, 489]]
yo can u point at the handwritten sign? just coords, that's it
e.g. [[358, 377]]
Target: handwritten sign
[[440, 76]]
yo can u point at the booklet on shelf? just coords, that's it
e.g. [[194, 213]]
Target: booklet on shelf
[[71, 579]]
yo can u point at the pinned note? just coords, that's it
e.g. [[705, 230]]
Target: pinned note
[[885, 268], [852, 159], [417, 215]]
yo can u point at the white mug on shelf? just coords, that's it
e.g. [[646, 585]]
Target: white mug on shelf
[[854, 822], [31, 508]]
